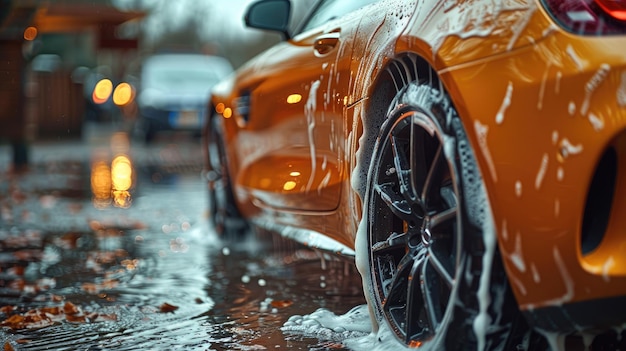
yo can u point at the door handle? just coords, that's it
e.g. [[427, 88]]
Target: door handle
[[325, 43]]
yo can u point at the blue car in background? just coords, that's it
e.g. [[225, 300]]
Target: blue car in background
[[175, 89]]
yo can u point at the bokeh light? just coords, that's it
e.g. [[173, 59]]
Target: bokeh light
[[228, 113], [294, 98], [102, 91], [220, 108], [123, 94], [30, 33], [121, 173], [101, 184]]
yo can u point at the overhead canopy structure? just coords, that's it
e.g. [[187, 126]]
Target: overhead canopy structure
[[79, 17], [62, 17], [66, 17]]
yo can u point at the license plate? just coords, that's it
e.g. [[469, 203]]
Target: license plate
[[188, 119]]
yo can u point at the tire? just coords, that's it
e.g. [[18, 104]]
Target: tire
[[224, 216], [436, 274]]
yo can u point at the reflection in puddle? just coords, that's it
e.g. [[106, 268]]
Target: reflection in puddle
[[112, 185], [101, 184], [121, 174], [151, 276]]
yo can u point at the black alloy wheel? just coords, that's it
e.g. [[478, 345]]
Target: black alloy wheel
[[431, 236]]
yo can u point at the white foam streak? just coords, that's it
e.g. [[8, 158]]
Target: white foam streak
[[555, 340], [606, 268], [483, 321], [505, 103], [621, 91], [567, 148], [575, 58], [542, 88], [466, 19], [542, 171], [481, 134], [517, 258], [309, 111], [596, 122], [567, 280]]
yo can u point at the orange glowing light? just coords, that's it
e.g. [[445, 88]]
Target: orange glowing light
[[30, 33], [415, 344], [294, 98], [101, 184], [121, 199], [102, 91], [123, 94], [289, 185], [122, 181], [220, 108], [121, 173], [228, 113]]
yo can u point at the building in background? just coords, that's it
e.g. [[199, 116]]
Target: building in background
[[39, 96]]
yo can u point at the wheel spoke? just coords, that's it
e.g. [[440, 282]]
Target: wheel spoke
[[398, 305], [395, 297], [418, 160], [443, 217], [442, 266], [394, 201], [394, 242], [433, 176], [432, 292], [403, 169], [417, 326]]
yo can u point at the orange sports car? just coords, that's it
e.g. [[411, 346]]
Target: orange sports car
[[470, 155]]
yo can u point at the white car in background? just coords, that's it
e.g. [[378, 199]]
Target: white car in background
[[175, 89]]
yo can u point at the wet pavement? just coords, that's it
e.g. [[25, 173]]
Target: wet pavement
[[105, 246]]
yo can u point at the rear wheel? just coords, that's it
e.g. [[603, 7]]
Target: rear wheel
[[224, 216], [435, 271]]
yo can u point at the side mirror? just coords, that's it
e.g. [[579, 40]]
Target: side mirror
[[269, 15]]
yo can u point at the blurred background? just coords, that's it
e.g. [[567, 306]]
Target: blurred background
[[65, 63]]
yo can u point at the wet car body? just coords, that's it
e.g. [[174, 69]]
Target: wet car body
[[174, 90], [539, 89]]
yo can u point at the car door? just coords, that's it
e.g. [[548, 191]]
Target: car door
[[290, 140]]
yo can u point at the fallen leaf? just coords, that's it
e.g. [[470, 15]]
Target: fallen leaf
[[15, 319], [7, 309], [281, 303], [8, 347], [76, 318], [51, 310], [70, 309], [166, 307]]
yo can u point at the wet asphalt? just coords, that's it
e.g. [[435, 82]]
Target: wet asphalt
[[105, 245]]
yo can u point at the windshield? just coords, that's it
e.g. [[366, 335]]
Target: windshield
[[182, 72], [177, 78]]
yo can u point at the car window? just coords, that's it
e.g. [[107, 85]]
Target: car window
[[331, 9]]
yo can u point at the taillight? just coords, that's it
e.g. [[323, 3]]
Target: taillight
[[614, 8], [589, 17]]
